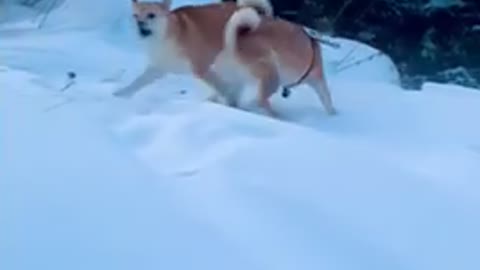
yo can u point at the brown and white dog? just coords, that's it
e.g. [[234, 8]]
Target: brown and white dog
[[272, 52], [184, 40]]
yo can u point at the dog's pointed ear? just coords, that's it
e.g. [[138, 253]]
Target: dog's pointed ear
[[134, 1], [167, 3]]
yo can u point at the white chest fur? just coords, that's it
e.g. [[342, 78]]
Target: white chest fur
[[166, 56]]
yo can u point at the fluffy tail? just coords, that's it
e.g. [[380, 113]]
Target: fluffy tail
[[262, 6], [242, 21]]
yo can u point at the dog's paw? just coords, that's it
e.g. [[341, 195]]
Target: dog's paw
[[215, 98]]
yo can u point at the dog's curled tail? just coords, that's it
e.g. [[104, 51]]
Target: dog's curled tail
[[263, 7], [242, 21]]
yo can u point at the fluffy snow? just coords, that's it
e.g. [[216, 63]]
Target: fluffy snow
[[169, 181]]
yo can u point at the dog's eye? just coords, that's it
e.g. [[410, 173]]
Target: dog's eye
[[150, 15]]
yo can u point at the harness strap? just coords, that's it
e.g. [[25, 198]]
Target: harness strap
[[286, 89]]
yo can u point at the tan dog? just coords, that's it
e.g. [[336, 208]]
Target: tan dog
[[184, 40], [271, 52]]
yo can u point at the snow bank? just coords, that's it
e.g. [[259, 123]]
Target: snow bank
[[165, 181], [73, 198], [14, 16], [358, 61]]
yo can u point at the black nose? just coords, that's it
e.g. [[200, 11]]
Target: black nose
[[143, 29], [145, 32]]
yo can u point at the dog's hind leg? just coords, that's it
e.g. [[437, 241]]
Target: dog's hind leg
[[269, 82], [219, 86], [317, 81]]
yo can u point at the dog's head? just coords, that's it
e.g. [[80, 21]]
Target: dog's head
[[149, 16]]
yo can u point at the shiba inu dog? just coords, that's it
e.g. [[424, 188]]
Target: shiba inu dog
[[271, 52], [184, 40]]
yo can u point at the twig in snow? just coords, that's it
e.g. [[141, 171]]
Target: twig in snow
[[58, 105], [68, 85], [187, 173], [47, 13], [347, 56], [332, 44], [71, 81], [360, 61]]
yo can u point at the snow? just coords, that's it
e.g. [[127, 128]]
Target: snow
[[17, 16], [168, 181]]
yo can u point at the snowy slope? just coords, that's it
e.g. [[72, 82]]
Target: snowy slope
[[73, 198], [167, 181]]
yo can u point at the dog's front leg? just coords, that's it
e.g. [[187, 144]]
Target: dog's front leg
[[147, 77]]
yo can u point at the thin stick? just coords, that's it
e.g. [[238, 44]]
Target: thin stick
[[360, 61], [340, 12], [50, 8], [58, 105], [68, 85], [356, 20]]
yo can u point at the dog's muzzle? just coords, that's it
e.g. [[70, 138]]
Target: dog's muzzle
[[143, 30]]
